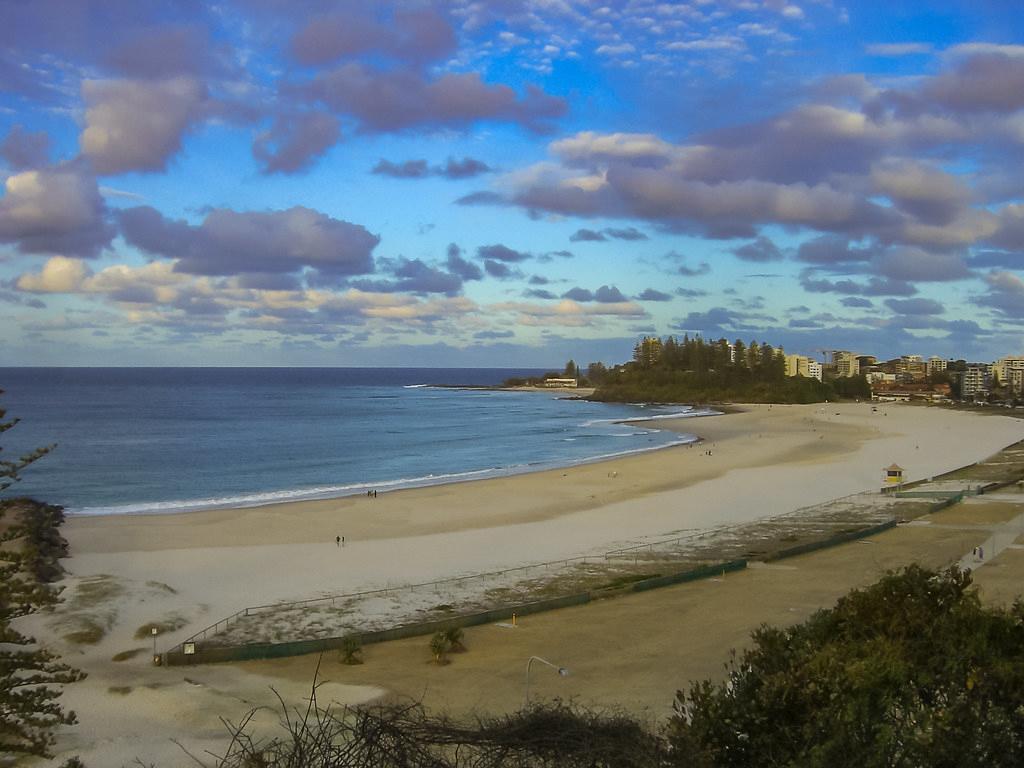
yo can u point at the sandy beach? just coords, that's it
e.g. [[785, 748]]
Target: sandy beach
[[191, 569]]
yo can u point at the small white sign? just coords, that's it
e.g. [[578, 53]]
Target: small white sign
[[189, 649]]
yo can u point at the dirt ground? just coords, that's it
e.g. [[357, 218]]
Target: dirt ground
[[634, 652]]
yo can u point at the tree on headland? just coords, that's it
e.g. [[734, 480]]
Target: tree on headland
[[30, 676], [693, 370]]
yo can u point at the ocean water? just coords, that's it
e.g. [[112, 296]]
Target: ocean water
[[157, 440]]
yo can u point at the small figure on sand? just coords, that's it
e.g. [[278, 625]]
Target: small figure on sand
[[337, 540]]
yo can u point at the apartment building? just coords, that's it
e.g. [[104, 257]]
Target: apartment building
[[846, 364]]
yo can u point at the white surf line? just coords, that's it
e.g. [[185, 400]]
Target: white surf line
[[1003, 537]]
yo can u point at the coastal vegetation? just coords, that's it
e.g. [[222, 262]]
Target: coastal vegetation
[[30, 676], [693, 370], [910, 671]]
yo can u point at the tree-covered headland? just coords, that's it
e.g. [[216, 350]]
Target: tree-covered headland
[[693, 370]]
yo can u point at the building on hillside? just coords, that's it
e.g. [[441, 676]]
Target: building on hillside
[[866, 361], [796, 365], [881, 377], [560, 382], [935, 365], [799, 365], [911, 368], [895, 391], [1009, 371], [975, 381], [846, 364]]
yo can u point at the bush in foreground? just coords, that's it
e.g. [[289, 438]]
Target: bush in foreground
[[911, 671]]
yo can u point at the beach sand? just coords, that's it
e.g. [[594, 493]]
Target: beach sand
[[191, 569]]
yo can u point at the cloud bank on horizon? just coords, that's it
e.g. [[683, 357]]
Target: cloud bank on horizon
[[506, 182]]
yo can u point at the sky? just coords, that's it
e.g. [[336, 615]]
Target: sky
[[506, 183]]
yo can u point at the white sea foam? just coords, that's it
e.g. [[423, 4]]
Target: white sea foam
[[339, 491]]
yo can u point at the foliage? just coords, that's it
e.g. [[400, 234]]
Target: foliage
[[351, 651], [30, 676], [852, 387], [693, 370], [439, 647], [911, 671], [404, 736], [454, 637]]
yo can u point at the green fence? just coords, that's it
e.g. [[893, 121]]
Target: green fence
[[210, 654], [831, 541]]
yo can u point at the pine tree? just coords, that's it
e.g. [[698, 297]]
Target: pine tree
[[30, 676]]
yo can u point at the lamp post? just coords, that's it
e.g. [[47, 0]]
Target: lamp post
[[153, 632], [562, 671]]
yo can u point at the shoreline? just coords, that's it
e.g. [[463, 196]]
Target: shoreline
[[184, 571], [668, 423]]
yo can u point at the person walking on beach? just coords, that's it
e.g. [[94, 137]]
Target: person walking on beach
[[337, 540]]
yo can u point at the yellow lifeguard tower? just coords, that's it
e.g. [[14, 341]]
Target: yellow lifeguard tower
[[893, 477]]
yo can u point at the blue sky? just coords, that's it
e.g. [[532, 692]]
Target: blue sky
[[506, 182]]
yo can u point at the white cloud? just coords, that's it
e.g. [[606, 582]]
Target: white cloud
[[58, 275]]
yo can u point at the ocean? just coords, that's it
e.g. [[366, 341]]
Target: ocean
[[152, 440]]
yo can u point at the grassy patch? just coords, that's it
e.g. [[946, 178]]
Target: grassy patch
[[125, 655], [94, 591], [162, 587], [120, 690], [89, 632], [168, 624]]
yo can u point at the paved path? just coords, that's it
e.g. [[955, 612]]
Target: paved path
[[1003, 537]]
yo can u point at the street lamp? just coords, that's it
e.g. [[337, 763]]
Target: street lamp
[[562, 671]]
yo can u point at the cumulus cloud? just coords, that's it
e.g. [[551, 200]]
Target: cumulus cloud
[[762, 249], [501, 253], [587, 236], [874, 286], [1005, 295], [22, 149], [701, 269], [415, 35], [138, 125], [396, 100], [578, 294], [457, 265], [295, 141], [163, 51], [56, 210], [58, 275], [929, 194], [832, 249], [915, 306], [989, 79], [500, 269], [453, 168], [609, 233], [898, 49], [568, 312], [230, 242], [652, 294], [859, 303], [916, 264], [415, 276], [539, 293]]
